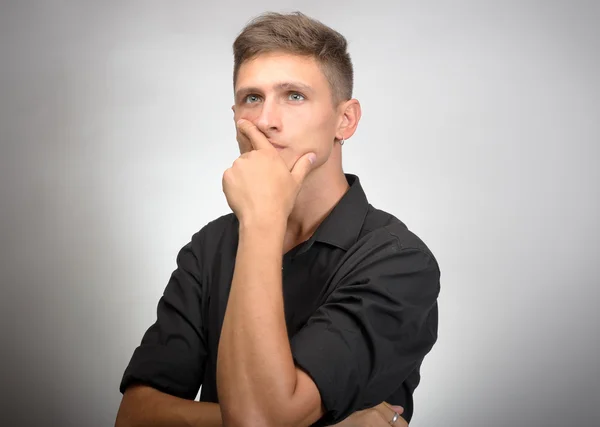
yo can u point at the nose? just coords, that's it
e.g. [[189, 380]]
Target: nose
[[269, 119]]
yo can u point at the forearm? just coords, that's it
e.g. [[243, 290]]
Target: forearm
[[256, 374], [145, 406]]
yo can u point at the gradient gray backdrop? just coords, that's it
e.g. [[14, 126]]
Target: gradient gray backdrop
[[480, 130]]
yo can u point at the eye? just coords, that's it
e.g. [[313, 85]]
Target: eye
[[251, 99], [296, 96]]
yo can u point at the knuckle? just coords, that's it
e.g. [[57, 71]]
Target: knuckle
[[373, 418]]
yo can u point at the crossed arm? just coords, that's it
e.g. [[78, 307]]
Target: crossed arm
[[145, 406], [258, 381]]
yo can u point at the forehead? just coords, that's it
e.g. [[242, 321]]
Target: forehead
[[267, 69]]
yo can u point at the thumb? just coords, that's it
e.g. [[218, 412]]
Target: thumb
[[398, 409], [303, 166]]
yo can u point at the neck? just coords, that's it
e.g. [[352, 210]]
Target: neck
[[321, 191]]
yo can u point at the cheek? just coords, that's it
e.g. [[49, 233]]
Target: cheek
[[316, 126], [250, 114], [324, 152], [313, 140], [322, 133]]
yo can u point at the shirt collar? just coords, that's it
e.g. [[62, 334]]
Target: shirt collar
[[342, 226]]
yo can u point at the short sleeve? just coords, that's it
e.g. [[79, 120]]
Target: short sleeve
[[173, 351], [373, 330]]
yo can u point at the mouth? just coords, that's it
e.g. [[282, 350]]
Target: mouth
[[279, 147]]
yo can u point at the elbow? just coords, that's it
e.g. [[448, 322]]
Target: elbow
[[270, 412], [254, 418], [255, 422], [125, 417], [129, 413], [122, 420], [240, 417]]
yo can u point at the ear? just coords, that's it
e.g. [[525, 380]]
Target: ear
[[351, 113]]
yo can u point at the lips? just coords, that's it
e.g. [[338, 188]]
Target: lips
[[277, 145]]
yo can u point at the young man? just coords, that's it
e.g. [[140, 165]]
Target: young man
[[306, 305]]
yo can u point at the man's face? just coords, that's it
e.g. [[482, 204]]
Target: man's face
[[289, 99]]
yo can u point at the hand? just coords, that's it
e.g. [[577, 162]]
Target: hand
[[259, 186], [378, 416]]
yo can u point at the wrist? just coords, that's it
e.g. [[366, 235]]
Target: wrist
[[266, 226]]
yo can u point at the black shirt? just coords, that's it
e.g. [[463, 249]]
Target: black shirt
[[360, 301]]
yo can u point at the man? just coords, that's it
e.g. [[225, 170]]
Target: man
[[306, 305]]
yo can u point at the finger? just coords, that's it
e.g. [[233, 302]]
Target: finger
[[258, 139], [395, 408], [243, 142], [398, 409], [303, 166], [387, 412], [380, 417]]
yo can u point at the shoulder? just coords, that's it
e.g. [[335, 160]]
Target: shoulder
[[381, 228], [218, 228], [214, 236], [390, 256], [387, 248]]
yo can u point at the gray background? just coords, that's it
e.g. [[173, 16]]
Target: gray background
[[480, 130]]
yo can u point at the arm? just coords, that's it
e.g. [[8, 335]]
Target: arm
[[145, 406], [170, 359], [386, 320], [257, 380], [364, 341]]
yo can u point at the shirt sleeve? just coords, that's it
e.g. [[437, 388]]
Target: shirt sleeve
[[173, 351], [374, 328]]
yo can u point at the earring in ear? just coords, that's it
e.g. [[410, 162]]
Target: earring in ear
[[342, 141]]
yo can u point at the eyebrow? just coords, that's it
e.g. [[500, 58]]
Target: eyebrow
[[244, 91]]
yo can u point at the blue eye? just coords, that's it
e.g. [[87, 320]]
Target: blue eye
[[250, 99], [295, 96]]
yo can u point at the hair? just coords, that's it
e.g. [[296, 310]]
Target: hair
[[298, 34]]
